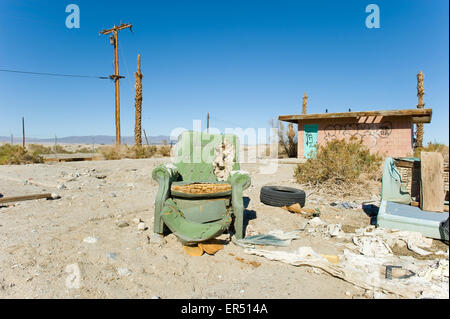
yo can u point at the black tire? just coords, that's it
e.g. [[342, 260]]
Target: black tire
[[282, 196]]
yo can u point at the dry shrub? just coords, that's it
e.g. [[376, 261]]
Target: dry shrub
[[15, 154], [81, 149], [144, 151], [165, 150], [125, 151], [40, 149], [61, 150], [340, 165], [433, 147], [287, 140]]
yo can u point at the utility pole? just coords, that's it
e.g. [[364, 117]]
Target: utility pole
[[138, 103], [114, 40], [207, 123], [23, 132]]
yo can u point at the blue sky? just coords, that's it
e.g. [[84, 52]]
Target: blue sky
[[245, 62]]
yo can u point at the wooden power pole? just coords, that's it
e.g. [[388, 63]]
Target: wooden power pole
[[114, 39], [138, 103], [207, 123]]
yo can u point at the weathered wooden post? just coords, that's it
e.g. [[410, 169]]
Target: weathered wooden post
[[138, 102], [305, 101], [420, 93]]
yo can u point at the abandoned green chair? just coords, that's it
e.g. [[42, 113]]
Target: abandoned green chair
[[202, 160]]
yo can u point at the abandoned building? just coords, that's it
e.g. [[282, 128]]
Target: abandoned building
[[386, 132]]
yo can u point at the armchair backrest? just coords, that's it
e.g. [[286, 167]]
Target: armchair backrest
[[195, 153]]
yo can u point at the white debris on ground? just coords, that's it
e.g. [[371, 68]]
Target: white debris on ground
[[318, 227], [368, 272], [368, 267], [415, 241]]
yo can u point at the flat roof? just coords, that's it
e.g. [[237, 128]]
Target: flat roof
[[417, 115]]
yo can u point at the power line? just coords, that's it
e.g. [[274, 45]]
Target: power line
[[56, 74]]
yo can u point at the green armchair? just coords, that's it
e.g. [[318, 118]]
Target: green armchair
[[201, 158]]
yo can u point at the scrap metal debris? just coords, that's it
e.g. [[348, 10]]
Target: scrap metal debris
[[273, 238]]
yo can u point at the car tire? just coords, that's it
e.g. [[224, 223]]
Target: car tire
[[282, 196]]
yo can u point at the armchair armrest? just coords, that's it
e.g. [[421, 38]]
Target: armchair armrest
[[241, 178], [164, 175], [165, 170], [239, 181]]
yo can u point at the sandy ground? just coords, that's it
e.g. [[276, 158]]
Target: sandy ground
[[39, 239]]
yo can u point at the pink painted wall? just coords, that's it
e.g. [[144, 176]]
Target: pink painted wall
[[390, 136]]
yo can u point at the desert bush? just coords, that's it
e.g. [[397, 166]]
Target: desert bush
[[287, 140], [165, 150], [433, 147], [113, 152], [125, 151], [15, 154], [61, 150], [81, 149], [340, 163], [144, 151], [39, 149]]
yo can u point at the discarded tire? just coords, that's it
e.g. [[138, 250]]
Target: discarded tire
[[282, 196]]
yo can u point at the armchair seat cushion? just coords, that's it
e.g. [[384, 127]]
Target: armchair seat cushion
[[200, 189]]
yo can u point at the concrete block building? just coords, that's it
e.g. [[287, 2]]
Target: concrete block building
[[387, 132]]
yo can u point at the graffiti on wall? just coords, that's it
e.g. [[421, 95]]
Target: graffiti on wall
[[370, 133]]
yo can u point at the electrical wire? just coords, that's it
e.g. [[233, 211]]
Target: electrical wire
[[56, 74]]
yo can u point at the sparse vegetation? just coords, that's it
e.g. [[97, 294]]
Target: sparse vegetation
[[125, 151], [433, 147], [41, 149], [287, 140], [15, 154], [81, 149], [165, 150], [340, 165], [144, 151]]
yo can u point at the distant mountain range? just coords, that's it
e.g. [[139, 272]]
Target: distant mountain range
[[97, 139]]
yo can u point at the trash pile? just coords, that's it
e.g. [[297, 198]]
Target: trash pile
[[367, 261], [317, 227]]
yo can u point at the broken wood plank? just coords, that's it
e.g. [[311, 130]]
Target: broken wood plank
[[432, 182], [422, 115], [24, 198]]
